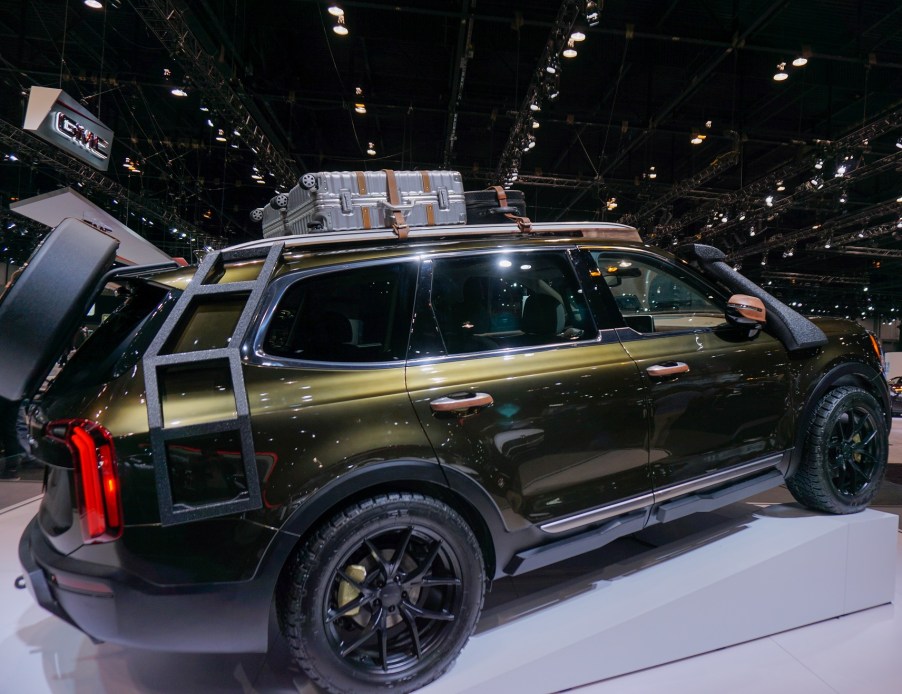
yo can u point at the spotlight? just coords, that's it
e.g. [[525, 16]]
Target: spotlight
[[781, 73]]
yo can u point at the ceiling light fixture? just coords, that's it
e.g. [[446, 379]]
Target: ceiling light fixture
[[336, 11], [340, 28], [781, 73], [697, 138], [899, 143], [535, 124], [652, 173], [220, 135], [371, 149], [800, 61], [94, 4], [593, 14], [178, 91], [552, 67], [570, 50], [577, 36], [360, 108]]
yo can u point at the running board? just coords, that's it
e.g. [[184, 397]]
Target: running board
[[710, 500], [634, 521], [538, 557]]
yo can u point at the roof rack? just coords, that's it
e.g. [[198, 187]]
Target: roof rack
[[593, 230]]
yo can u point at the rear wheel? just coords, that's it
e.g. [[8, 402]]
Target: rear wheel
[[384, 595], [845, 453]]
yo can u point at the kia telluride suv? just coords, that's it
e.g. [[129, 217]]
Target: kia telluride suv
[[361, 431]]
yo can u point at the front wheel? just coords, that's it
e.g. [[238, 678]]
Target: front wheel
[[845, 453], [384, 595]]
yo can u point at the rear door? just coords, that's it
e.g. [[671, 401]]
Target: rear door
[[517, 386], [719, 399], [45, 304]]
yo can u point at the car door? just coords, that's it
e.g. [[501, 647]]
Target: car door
[[719, 398], [516, 385]]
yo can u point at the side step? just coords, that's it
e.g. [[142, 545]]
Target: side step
[[629, 523], [710, 500]]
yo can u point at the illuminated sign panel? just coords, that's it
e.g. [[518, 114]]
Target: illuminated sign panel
[[59, 119]]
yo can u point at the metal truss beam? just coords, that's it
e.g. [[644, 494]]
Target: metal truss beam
[[165, 20]]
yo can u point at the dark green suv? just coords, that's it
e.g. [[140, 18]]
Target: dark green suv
[[363, 431]]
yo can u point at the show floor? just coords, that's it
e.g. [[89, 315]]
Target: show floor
[[849, 655]]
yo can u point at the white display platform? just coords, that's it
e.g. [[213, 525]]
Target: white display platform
[[748, 572]]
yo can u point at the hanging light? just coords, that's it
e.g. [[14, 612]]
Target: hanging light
[[178, 91], [94, 4], [340, 27], [371, 149], [697, 138], [843, 198], [593, 15], [360, 108], [819, 164], [570, 50], [552, 67], [336, 11], [899, 143], [577, 36], [780, 187], [220, 135], [534, 105], [800, 61], [535, 124], [781, 73], [652, 173]]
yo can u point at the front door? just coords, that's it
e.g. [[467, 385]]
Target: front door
[[515, 384], [719, 398]]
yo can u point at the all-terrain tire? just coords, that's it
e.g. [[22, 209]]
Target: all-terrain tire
[[384, 595], [845, 453]]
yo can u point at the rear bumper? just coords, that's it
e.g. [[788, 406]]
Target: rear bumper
[[109, 604]]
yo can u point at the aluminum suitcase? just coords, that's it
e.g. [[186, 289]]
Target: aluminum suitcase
[[344, 200]]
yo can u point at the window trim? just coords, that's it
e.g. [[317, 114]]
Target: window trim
[[424, 294], [626, 332], [252, 347]]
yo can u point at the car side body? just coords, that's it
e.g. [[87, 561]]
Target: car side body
[[603, 392]]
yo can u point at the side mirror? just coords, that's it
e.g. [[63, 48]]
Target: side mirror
[[747, 312]]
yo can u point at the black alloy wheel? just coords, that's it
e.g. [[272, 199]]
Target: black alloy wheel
[[385, 595], [845, 453]]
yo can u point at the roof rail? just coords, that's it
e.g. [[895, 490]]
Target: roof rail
[[593, 230]]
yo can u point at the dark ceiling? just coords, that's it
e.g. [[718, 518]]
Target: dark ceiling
[[447, 84]]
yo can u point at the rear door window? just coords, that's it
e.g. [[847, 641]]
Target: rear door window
[[356, 315]]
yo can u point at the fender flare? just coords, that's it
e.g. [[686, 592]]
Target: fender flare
[[447, 484], [827, 381]]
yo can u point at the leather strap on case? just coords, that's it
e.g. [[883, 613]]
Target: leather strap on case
[[399, 224], [524, 224], [364, 210], [427, 188]]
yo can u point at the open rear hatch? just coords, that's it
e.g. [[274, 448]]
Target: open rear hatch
[[46, 302]]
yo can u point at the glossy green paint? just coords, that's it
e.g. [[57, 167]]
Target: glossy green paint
[[732, 406], [566, 431], [317, 423]]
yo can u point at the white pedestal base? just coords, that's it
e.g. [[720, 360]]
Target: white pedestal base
[[711, 581]]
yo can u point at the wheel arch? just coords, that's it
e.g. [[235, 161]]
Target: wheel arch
[[845, 374], [460, 492]]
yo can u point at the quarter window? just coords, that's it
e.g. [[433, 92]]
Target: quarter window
[[496, 301], [357, 315], [654, 297]]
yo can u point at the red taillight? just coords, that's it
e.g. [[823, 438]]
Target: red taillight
[[97, 480]]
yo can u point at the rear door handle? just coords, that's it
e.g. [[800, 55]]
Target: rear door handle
[[461, 401], [668, 368]]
